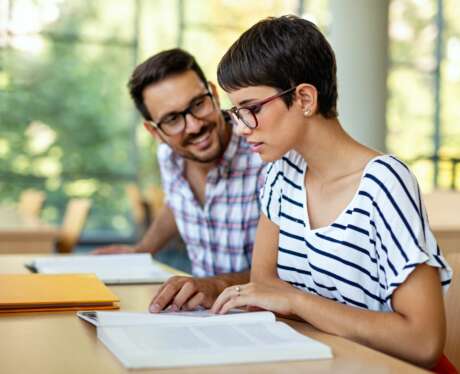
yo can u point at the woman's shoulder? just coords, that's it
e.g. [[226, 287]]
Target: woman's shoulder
[[388, 173], [389, 185], [390, 163]]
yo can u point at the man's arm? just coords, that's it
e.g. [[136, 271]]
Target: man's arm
[[188, 293], [162, 230]]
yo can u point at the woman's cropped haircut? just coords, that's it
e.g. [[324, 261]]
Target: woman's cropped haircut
[[282, 52]]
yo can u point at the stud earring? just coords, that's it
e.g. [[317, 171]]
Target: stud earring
[[307, 112]]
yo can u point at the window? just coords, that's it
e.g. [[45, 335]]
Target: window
[[68, 126]]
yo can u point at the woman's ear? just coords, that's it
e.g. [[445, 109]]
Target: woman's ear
[[153, 131], [306, 99]]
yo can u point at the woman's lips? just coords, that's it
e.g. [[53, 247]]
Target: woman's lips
[[256, 146]]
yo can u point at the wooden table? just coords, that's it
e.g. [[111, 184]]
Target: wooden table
[[62, 343], [443, 209], [22, 234]]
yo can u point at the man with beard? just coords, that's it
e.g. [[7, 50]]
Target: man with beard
[[211, 180]]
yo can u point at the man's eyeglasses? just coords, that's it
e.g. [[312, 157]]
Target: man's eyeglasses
[[247, 114], [174, 123]]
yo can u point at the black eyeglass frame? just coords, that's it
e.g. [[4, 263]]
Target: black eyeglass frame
[[255, 107], [183, 113]]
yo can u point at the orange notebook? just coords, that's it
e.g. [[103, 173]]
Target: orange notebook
[[54, 292]]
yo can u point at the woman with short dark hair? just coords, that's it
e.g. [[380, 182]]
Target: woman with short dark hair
[[343, 241]]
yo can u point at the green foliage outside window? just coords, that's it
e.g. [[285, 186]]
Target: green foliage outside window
[[68, 127]]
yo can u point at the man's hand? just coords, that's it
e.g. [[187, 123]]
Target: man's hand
[[114, 249], [185, 293]]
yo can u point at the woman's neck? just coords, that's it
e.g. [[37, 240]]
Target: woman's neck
[[330, 152]]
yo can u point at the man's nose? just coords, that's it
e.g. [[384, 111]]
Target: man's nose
[[192, 124]]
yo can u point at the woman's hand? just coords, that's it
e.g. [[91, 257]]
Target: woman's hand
[[277, 297]]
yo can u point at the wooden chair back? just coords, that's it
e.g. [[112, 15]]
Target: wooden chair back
[[452, 302], [137, 203], [442, 207], [155, 197], [75, 216], [31, 202]]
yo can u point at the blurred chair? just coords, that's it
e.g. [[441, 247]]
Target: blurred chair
[[75, 217], [443, 209], [155, 198], [138, 204], [140, 209], [31, 202], [452, 302], [442, 206]]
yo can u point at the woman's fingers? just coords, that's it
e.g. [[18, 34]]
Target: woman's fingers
[[234, 302], [228, 294], [221, 300], [274, 297]]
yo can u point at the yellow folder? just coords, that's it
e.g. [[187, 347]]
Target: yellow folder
[[47, 292]]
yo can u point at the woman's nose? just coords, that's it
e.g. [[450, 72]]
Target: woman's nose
[[241, 129]]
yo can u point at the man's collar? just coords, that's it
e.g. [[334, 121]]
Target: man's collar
[[229, 154]]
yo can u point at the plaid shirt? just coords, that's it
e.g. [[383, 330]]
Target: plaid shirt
[[219, 235]]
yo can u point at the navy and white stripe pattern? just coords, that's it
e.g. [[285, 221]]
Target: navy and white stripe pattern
[[372, 246], [219, 235]]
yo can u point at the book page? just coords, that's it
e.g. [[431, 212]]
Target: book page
[[90, 260], [123, 268], [205, 344], [177, 318]]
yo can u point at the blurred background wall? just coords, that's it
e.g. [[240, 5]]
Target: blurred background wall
[[67, 125]]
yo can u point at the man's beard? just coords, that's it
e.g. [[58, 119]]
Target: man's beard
[[208, 128]]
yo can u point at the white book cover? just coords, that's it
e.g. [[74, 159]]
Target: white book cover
[[111, 269], [182, 339]]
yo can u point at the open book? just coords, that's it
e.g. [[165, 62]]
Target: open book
[[111, 269], [143, 340]]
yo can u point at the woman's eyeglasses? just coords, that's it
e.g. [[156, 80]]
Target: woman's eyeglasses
[[247, 114]]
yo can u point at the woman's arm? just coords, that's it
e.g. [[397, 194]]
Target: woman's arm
[[263, 272], [415, 331], [265, 253]]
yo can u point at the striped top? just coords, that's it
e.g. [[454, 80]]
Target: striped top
[[219, 235], [370, 248]]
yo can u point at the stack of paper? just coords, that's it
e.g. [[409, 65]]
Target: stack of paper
[[143, 340], [111, 269], [40, 292]]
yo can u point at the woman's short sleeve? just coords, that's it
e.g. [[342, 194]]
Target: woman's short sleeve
[[403, 235], [270, 195]]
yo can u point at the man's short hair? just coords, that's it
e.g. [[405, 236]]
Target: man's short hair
[[282, 53], [155, 69]]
